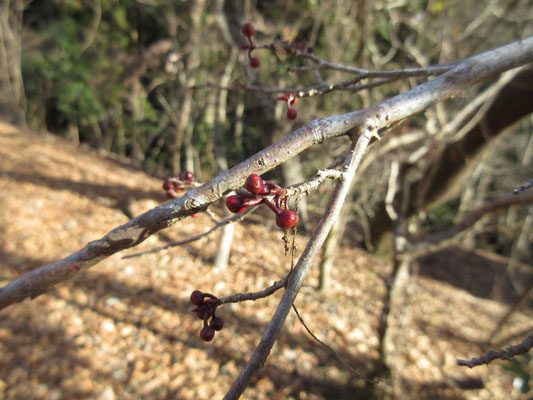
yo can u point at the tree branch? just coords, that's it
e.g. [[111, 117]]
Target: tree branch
[[441, 239], [505, 354], [239, 297], [218, 224], [525, 186], [378, 117], [296, 277]]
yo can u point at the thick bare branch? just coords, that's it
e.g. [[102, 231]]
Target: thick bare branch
[[378, 117]]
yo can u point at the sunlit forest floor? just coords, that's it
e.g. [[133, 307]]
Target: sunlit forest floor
[[123, 329]]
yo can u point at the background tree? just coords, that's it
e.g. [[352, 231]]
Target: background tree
[[12, 100]]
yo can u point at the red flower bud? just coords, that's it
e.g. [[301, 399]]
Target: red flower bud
[[291, 113], [207, 333], [254, 62], [287, 219], [254, 184], [234, 204], [248, 30]]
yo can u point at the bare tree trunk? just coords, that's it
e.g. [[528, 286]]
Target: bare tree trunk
[[328, 257], [183, 111], [226, 237], [12, 99]]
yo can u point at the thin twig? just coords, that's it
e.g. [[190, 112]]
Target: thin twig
[[506, 354], [310, 91], [313, 183], [525, 186], [239, 297], [320, 64], [332, 351], [365, 73], [220, 224], [442, 238]]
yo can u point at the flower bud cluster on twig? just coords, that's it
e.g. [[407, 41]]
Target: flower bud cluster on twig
[[206, 306], [259, 191], [173, 185], [249, 31]]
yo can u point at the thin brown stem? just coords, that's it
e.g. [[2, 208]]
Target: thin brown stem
[[506, 354], [240, 297], [332, 351], [220, 224]]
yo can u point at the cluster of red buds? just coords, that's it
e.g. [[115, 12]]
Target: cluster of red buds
[[173, 185], [206, 305], [259, 192], [291, 100], [249, 31]]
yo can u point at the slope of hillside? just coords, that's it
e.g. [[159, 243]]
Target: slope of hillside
[[123, 329]]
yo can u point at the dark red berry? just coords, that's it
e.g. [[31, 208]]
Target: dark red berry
[[207, 333], [167, 184], [195, 215], [287, 219], [234, 204], [254, 184], [188, 176], [291, 113], [248, 30], [216, 323], [254, 62], [197, 298]]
